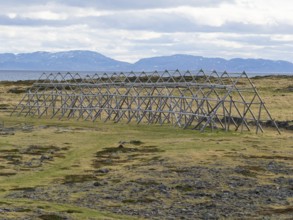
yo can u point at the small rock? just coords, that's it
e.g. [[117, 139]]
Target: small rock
[[208, 216], [6, 133], [7, 210], [103, 170], [201, 185], [45, 157], [271, 165], [97, 184]]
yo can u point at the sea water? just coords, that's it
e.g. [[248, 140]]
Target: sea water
[[15, 75]]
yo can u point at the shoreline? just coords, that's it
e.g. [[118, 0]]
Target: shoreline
[[31, 81], [20, 81]]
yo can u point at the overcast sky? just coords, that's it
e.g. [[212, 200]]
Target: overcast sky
[[132, 29]]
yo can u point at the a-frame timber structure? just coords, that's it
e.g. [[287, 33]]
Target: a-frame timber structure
[[190, 99]]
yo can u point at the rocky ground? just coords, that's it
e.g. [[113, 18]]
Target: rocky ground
[[260, 188], [246, 178]]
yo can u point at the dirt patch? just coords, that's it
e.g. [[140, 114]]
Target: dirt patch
[[52, 217], [113, 156], [28, 158], [7, 174], [25, 189], [78, 178], [40, 150]]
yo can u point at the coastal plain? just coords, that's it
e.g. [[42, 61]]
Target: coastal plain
[[75, 169]]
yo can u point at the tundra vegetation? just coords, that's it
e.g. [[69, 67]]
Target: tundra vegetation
[[69, 169]]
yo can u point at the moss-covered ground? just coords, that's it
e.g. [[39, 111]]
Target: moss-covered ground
[[69, 169]]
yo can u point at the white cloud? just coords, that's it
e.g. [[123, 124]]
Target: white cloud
[[12, 15], [45, 15], [131, 29]]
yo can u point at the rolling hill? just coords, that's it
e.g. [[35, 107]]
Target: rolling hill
[[92, 61]]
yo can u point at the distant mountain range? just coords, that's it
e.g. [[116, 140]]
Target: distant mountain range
[[92, 61]]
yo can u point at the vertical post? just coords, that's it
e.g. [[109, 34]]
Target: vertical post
[[138, 108], [258, 117], [53, 104], [230, 112], [243, 116], [224, 115]]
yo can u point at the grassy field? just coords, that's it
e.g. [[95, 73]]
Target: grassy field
[[70, 169]]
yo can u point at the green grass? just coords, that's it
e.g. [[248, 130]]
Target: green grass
[[176, 143], [181, 148], [51, 207]]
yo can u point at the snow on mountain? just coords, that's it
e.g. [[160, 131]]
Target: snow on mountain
[[79, 60]]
